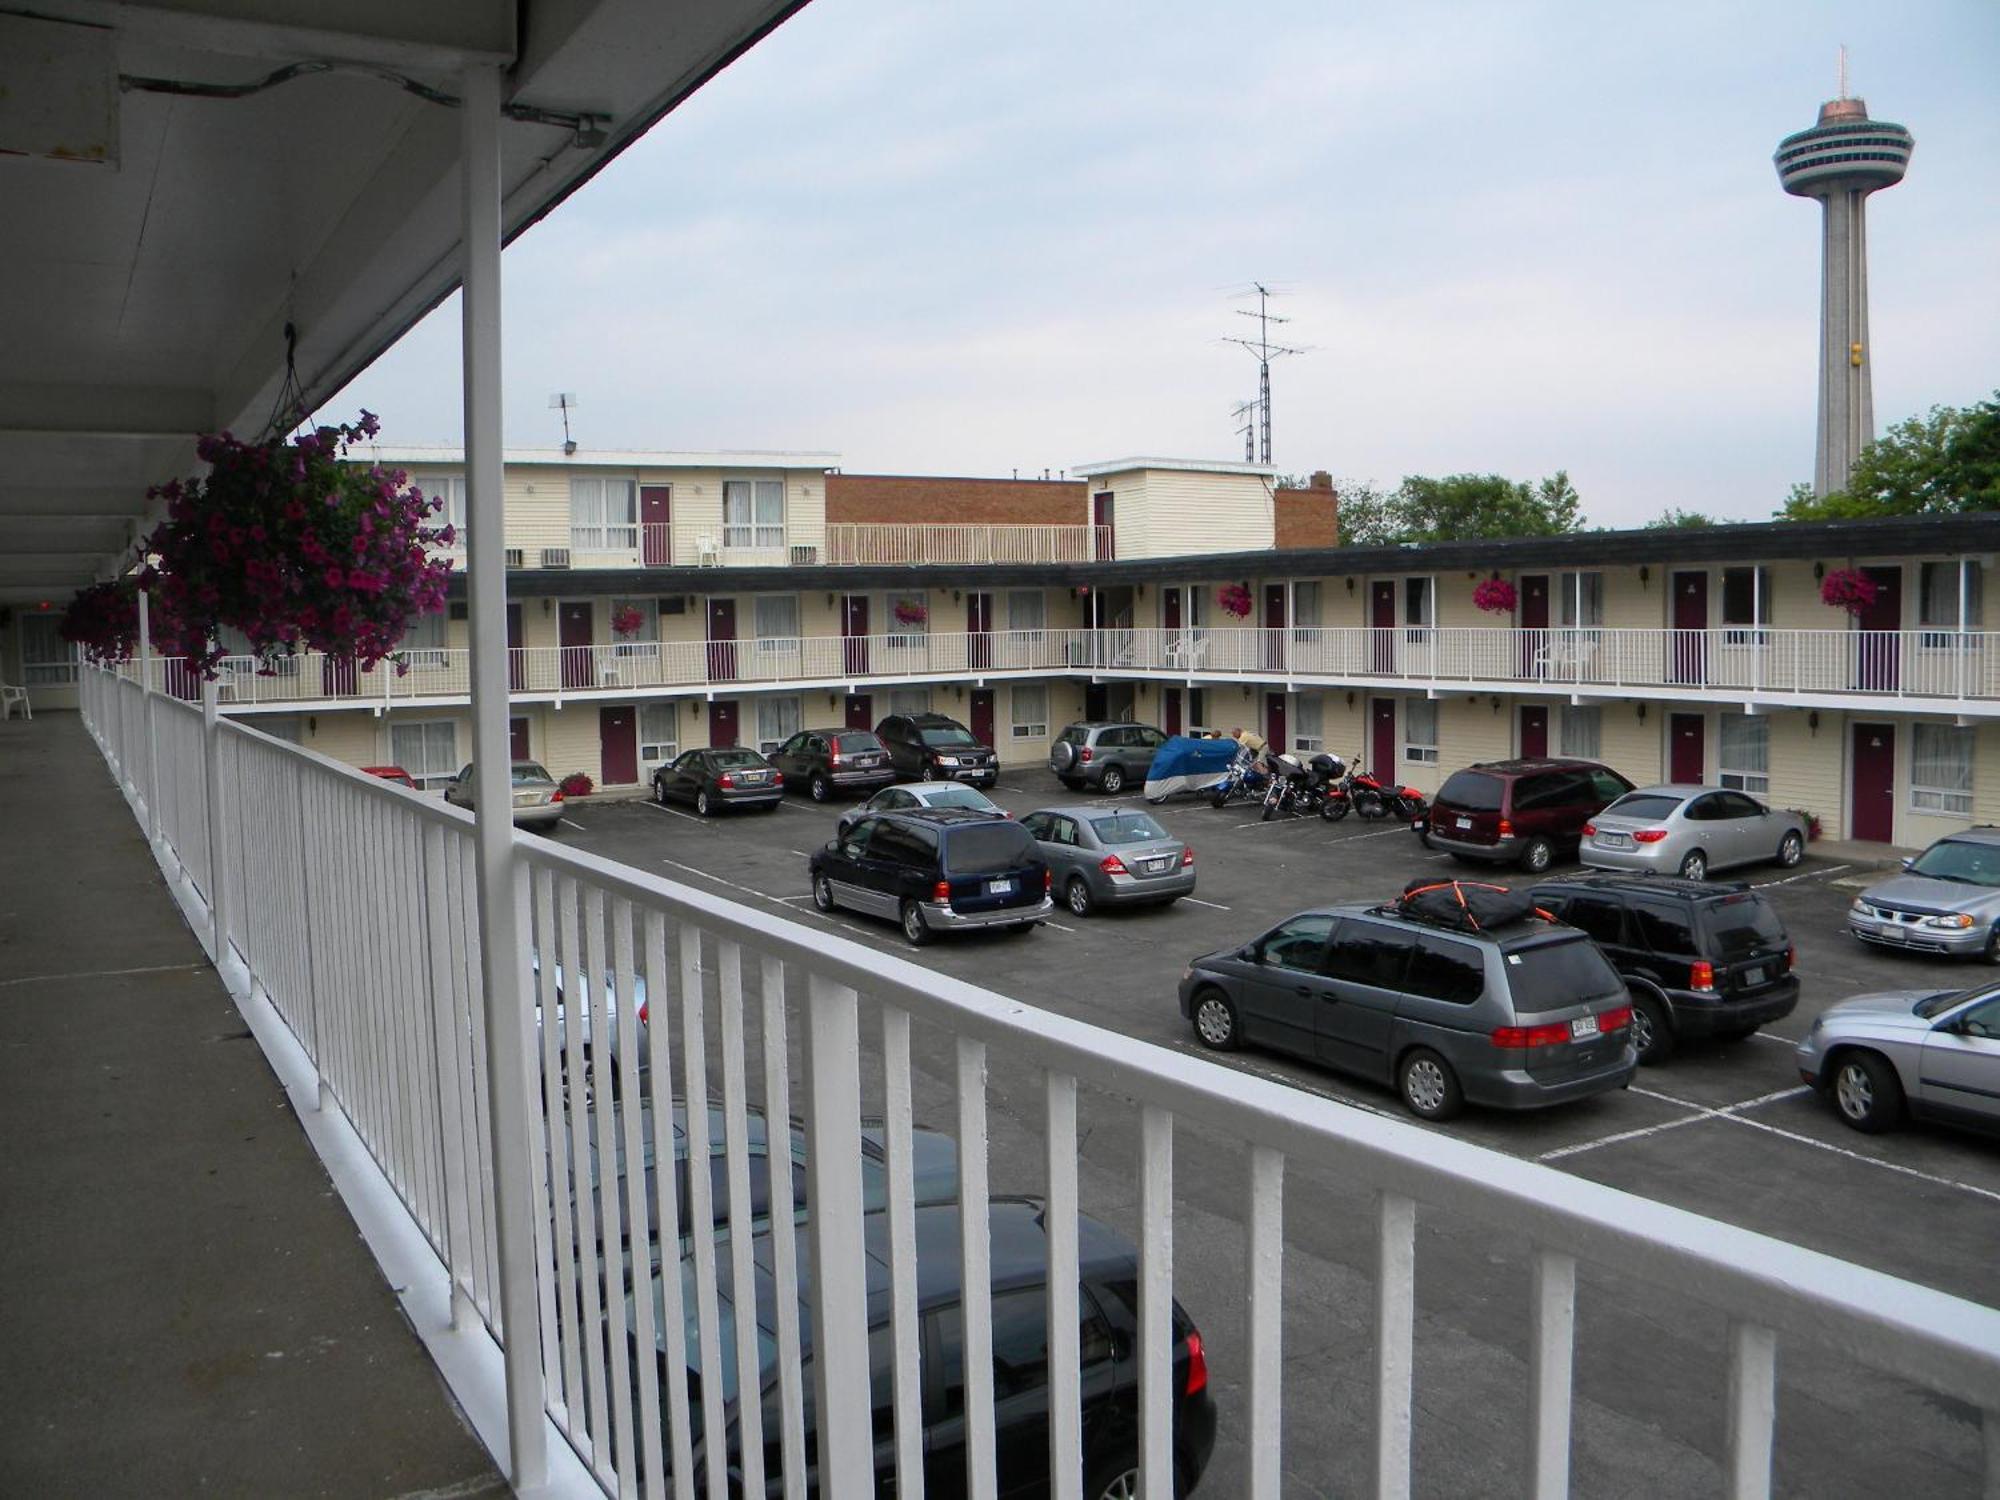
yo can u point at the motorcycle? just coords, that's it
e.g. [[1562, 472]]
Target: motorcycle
[[1372, 798], [1244, 779], [1289, 789]]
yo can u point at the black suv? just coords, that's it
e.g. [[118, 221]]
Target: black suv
[[935, 869], [825, 761], [1703, 958], [932, 747], [1108, 1340]]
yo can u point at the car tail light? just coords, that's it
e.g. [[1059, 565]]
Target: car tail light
[[836, 757], [1111, 864], [1048, 881], [1187, 858], [1083, 755], [725, 781], [1589, 829], [1648, 835], [645, 1009], [941, 893], [1506, 828], [777, 778], [1197, 1380], [556, 796], [1551, 1035], [1616, 1019], [1702, 975], [1791, 957]]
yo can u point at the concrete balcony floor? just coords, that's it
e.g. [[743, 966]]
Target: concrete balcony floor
[[188, 1305]]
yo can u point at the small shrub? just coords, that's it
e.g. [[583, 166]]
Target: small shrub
[[576, 784]]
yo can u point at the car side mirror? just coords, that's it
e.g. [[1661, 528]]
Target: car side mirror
[[1250, 954], [1908, 862]]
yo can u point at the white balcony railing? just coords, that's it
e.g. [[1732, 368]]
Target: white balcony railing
[[1767, 665], [351, 922], [864, 542]]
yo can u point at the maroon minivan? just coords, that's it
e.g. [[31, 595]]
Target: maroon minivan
[[1523, 812]]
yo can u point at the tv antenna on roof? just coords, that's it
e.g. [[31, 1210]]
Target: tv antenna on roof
[[565, 402], [1265, 351]]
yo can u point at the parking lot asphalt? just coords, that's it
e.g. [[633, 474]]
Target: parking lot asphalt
[[1724, 1130]]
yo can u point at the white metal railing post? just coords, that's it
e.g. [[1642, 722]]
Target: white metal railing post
[[218, 879], [152, 771], [1552, 1353], [1753, 1410], [502, 883], [1395, 1332], [1266, 1265], [839, 1285]]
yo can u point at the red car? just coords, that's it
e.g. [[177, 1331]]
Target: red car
[[392, 773], [1525, 812]]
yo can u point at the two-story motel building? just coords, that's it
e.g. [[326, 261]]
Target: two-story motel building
[[664, 601]]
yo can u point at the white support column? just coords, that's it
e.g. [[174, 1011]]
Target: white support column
[[1756, 627], [218, 857], [1964, 642], [146, 723], [501, 877]]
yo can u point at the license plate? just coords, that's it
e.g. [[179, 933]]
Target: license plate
[[1582, 1026], [1465, 822], [756, 778], [1613, 840], [1157, 865], [999, 887], [1753, 976]]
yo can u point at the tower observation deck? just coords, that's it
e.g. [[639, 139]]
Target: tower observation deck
[[1840, 161]]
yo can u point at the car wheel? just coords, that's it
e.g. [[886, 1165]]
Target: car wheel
[[1076, 895], [1694, 865], [659, 791], [1113, 781], [927, 773], [1652, 1030], [1115, 1477], [1428, 1085], [701, 802], [1215, 1020], [819, 788], [822, 893], [1867, 1092], [913, 925], [1538, 856], [1422, 829], [1791, 849]]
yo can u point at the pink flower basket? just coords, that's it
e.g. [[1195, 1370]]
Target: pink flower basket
[[103, 620], [1849, 589], [1496, 596], [1235, 600], [627, 619]]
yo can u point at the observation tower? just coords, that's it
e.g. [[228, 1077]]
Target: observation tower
[[1840, 161]]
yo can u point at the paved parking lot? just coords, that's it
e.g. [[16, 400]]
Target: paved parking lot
[[1723, 1130]]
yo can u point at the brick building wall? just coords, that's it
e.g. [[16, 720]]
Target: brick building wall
[[1304, 518], [916, 498]]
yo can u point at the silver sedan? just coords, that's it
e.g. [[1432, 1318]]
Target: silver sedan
[[1935, 1054], [1689, 831], [537, 802], [922, 794], [1110, 856]]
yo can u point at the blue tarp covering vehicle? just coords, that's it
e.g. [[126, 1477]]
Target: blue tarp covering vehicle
[[1186, 764]]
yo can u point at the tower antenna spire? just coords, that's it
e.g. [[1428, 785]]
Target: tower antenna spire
[[1843, 70], [1265, 351]]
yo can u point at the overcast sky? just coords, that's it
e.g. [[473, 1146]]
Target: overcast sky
[[970, 238]]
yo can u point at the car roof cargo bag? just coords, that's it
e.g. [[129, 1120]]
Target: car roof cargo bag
[[1465, 905]]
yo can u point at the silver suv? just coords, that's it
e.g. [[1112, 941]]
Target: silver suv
[[1109, 756], [1947, 900]]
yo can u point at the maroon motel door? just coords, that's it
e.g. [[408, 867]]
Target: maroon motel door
[[573, 632], [1274, 722], [854, 626], [1534, 731], [1382, 624], [1100, 514], [517, 667], [1534, 595], [656, 510], [722, 723], [1878, 647], [1872, 800], [618, 744], [1274, 627], [1096, 702], [1687, 749], [1690, 623], [1382, 738], [1170, 609], [336, 676], [1170, 709], [860, 711], [517, 739], [979, 717], [722, 641], [979, 628]]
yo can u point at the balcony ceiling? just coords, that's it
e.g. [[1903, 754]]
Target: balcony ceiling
[[147, 296]]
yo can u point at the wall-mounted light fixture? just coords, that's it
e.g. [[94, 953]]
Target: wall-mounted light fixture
[[546, 606], [955, 596], [697, 708], [312, 724], [1812, 722], [833, 700], [1350, 584], [829, 601], [1645, 573], [1350, 697], [1642, 712], [1496, 703], [1819, 571]]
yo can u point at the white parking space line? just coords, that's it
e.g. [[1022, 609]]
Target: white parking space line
[[793, 807], [568, 823], [677, 813], [1057, 925], [1211, 905], [1806, 875], [1702, 1112], [733, 885], [802, 854]]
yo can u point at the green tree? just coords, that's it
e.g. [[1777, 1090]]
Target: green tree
[[1944, 462], [1459, 507], [1674, 518], [1364, 515]]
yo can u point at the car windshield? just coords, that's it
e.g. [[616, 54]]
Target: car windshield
[[1127, 828], [526, 772], [987, 848], [1933, 1006], [1076, 734], [737, 760], [1961, 860], [1473, 790], [949, 794], [1645, 805], [1741, 925], [850, 744], [944, 739], [1548, 976]]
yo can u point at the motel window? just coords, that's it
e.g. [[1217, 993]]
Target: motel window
[[1746, 604], [603, 514], [46, 657], [1586, 589], [1582, 732], [450, 488], [423, 640], [1309, 722], [1305, 609], [1745, 752], [1420, 730], [1027, 610], [753, 513], [428, 750], [777, 618], [659, 733], [909, 701], [777, 721], [1030, 706], [1938, 593], [1416, 605], [909, 619], [1941, 769]]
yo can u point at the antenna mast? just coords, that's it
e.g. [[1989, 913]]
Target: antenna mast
[[565, 402], [1265, 351]]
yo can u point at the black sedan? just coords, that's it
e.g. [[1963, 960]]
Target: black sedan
[[825, 761], [715, 779]]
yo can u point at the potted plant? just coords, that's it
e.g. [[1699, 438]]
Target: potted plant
[[576, 784], [1496, 596], [627, 620], [1849, 589], [294, 546], [103, 620], [1235, 599]]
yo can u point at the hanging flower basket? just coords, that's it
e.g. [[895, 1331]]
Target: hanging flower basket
[[103, 621], [1849, 589], [296, 548], [1496, 596], [1235, 600], [627, 620], [911, 612]]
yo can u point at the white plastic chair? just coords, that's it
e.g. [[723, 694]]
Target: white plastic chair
[[706, 553], [10, 696]]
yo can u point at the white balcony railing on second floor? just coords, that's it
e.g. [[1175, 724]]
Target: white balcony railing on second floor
[[1765, 664], [351, 934], [887, 542]]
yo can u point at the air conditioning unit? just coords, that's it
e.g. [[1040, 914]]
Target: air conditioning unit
[[460, 610], [516, 558], [674, 604], [555, 557], [803, 553]]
